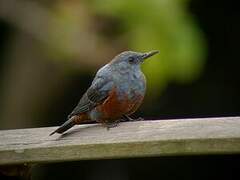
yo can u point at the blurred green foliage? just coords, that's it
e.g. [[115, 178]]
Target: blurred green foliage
[[165, 25], [92, 32]]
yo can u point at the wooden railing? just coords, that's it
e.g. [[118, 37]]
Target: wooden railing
[[23, 147]]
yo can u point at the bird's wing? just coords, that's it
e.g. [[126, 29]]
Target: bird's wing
[[96, 94]]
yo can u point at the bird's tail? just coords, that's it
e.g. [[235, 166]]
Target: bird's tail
[[67, 125]]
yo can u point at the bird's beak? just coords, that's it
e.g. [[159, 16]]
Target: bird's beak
[[149, 54]]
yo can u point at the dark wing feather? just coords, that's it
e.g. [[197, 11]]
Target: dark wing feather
[[96, 94]]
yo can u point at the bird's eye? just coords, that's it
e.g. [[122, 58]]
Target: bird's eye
[[131, 60]]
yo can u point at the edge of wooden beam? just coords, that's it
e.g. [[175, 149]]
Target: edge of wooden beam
[[131, 139]]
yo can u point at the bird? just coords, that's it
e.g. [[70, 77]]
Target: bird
[[116, 92]]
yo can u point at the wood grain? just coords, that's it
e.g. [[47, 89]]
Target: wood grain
[[130, 139]]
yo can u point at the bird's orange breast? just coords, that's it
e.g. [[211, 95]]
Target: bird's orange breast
[[114, 107]]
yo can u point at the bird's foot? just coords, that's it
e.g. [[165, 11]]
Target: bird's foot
[[140, 119], [127, 118], [109, 125]]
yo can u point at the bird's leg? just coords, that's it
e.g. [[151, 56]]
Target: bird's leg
[[109, 125], [140, 119], [127, 118]]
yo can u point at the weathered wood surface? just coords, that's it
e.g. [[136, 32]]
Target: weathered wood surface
[[130, 139]]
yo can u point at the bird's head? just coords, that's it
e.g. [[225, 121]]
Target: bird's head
[[131, 59]]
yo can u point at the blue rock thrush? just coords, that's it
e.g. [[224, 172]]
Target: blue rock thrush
[[116, 92]]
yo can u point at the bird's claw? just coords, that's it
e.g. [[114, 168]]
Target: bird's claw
[[127, 118], [111, 125], [140, 119]]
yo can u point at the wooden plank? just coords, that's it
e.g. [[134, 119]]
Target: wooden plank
[[130, 139]]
